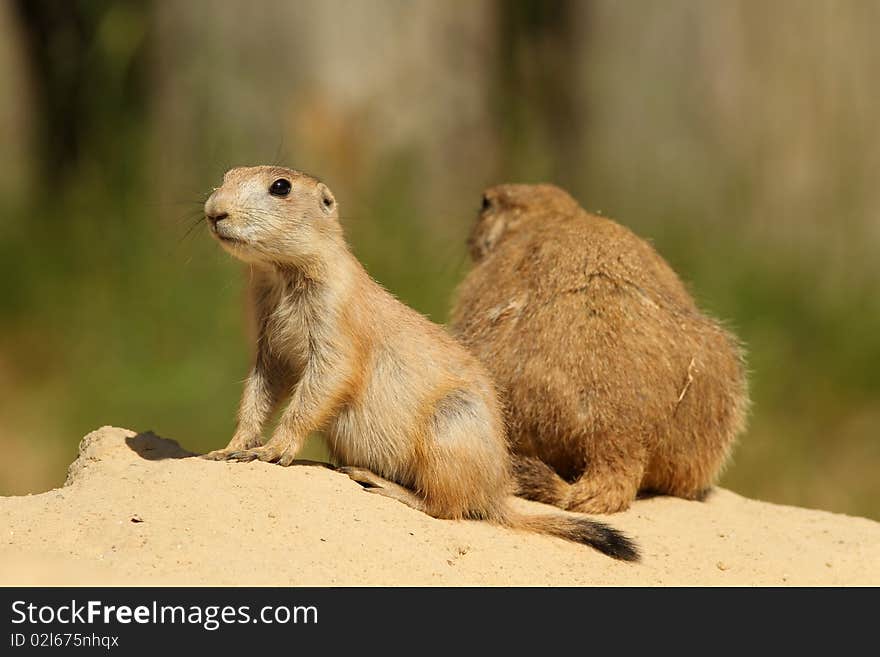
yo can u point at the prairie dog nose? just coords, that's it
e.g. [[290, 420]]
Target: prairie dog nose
[[216, 207]]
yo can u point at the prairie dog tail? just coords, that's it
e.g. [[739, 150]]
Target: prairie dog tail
[[570, 526], [535, 480], [579, 529]]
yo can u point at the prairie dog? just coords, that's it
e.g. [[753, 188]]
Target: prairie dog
[[407, 411], [613, 381]]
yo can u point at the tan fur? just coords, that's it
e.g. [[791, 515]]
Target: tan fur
[[406, 409], [614, 382]]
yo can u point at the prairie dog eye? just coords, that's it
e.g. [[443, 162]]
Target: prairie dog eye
[[485, 204], [280, 187]]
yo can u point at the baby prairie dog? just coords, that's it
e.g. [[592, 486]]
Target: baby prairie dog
[[407, 411], [613, 381]]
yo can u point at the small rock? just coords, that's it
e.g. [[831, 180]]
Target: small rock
[[136, 518], [722, 566]]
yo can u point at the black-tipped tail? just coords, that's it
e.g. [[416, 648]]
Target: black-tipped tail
[[605, 539], [580, 529]]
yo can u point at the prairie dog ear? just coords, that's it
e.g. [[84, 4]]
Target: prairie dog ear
[[326, 199]]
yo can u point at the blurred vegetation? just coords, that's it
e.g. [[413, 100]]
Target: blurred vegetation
[[740, 137]]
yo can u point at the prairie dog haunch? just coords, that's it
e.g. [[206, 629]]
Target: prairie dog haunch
[[613, 381], [407, 410]]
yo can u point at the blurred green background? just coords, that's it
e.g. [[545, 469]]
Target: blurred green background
[[742, 138]]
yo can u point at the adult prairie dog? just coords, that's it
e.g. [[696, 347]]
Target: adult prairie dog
[[407, 411], [612, 379]]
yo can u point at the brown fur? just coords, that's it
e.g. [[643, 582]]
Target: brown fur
[[613, 380], [407, 410]]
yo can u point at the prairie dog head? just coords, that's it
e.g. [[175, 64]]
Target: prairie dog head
[[508, 209], [270, 214]]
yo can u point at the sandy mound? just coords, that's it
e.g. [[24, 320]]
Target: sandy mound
[[136, 509]]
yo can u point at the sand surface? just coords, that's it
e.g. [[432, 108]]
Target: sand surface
[[136, 509]]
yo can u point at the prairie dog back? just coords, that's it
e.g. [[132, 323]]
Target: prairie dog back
[[613, 380]]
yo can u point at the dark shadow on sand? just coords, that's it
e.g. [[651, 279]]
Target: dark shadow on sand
[[151, 447], [700, 497]]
